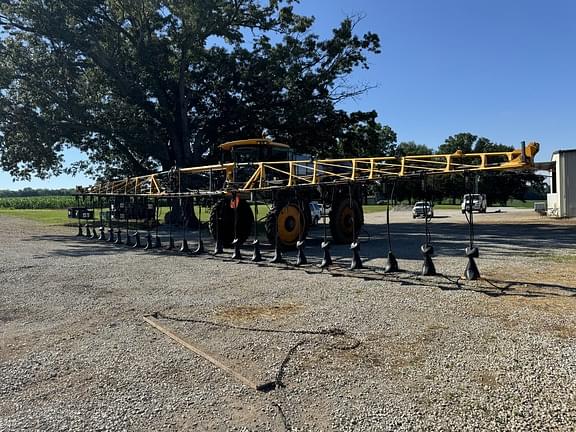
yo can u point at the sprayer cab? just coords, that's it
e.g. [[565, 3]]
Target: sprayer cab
[[255, 150]]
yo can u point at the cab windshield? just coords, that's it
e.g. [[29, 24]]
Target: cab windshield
[[258, 153]]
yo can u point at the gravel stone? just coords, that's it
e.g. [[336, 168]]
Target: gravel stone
[[419, 353]]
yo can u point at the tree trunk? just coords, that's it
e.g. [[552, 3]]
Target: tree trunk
[[176, 149], [183, 214]]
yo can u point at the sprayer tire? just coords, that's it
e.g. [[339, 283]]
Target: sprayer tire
[[345, 220], [221, 221]]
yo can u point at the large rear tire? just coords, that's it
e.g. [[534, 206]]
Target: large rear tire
[[290, 221], [346, 220], [221, 222]]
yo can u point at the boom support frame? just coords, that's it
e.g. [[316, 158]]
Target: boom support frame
[[214, 180]]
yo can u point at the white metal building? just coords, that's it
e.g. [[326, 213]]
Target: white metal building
[[561, 201]]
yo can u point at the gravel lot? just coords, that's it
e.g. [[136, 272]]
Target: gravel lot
[[418, 353]]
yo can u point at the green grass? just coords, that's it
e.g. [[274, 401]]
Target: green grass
[[374, 208], [561, 259], [447, 206], [52, 216], [522, 204], [60, 217], [511, 203], [45, 216]]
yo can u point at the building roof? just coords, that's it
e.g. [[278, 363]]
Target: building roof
[[564, 151], [545, 166]]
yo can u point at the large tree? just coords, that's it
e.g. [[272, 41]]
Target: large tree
[[142, 85]]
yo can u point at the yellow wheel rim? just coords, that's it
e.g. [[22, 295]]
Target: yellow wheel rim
[[289, 224]]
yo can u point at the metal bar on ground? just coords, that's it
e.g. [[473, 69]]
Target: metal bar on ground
[[202, 353]]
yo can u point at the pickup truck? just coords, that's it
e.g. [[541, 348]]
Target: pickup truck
[[423, 209], [474, 202]]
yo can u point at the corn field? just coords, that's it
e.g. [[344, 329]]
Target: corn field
[[37, 202]]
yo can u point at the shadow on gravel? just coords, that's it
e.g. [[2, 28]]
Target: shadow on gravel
[[448, 239], [506, 285], [490, 287], [81, 246]]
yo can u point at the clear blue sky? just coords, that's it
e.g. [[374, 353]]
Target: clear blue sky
[[502, 69]]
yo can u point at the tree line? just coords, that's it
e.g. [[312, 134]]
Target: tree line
[[30, 192]]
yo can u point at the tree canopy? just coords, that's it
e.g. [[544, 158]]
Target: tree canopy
[[462, 141], [139, 86], [408, 148]]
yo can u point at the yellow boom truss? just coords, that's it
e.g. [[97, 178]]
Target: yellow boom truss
[[263, 176]]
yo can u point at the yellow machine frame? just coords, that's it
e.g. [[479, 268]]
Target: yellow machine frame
[[267, 176]]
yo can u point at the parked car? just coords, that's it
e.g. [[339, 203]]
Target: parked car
[[474, 202], [423, 209], [315, 212]]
